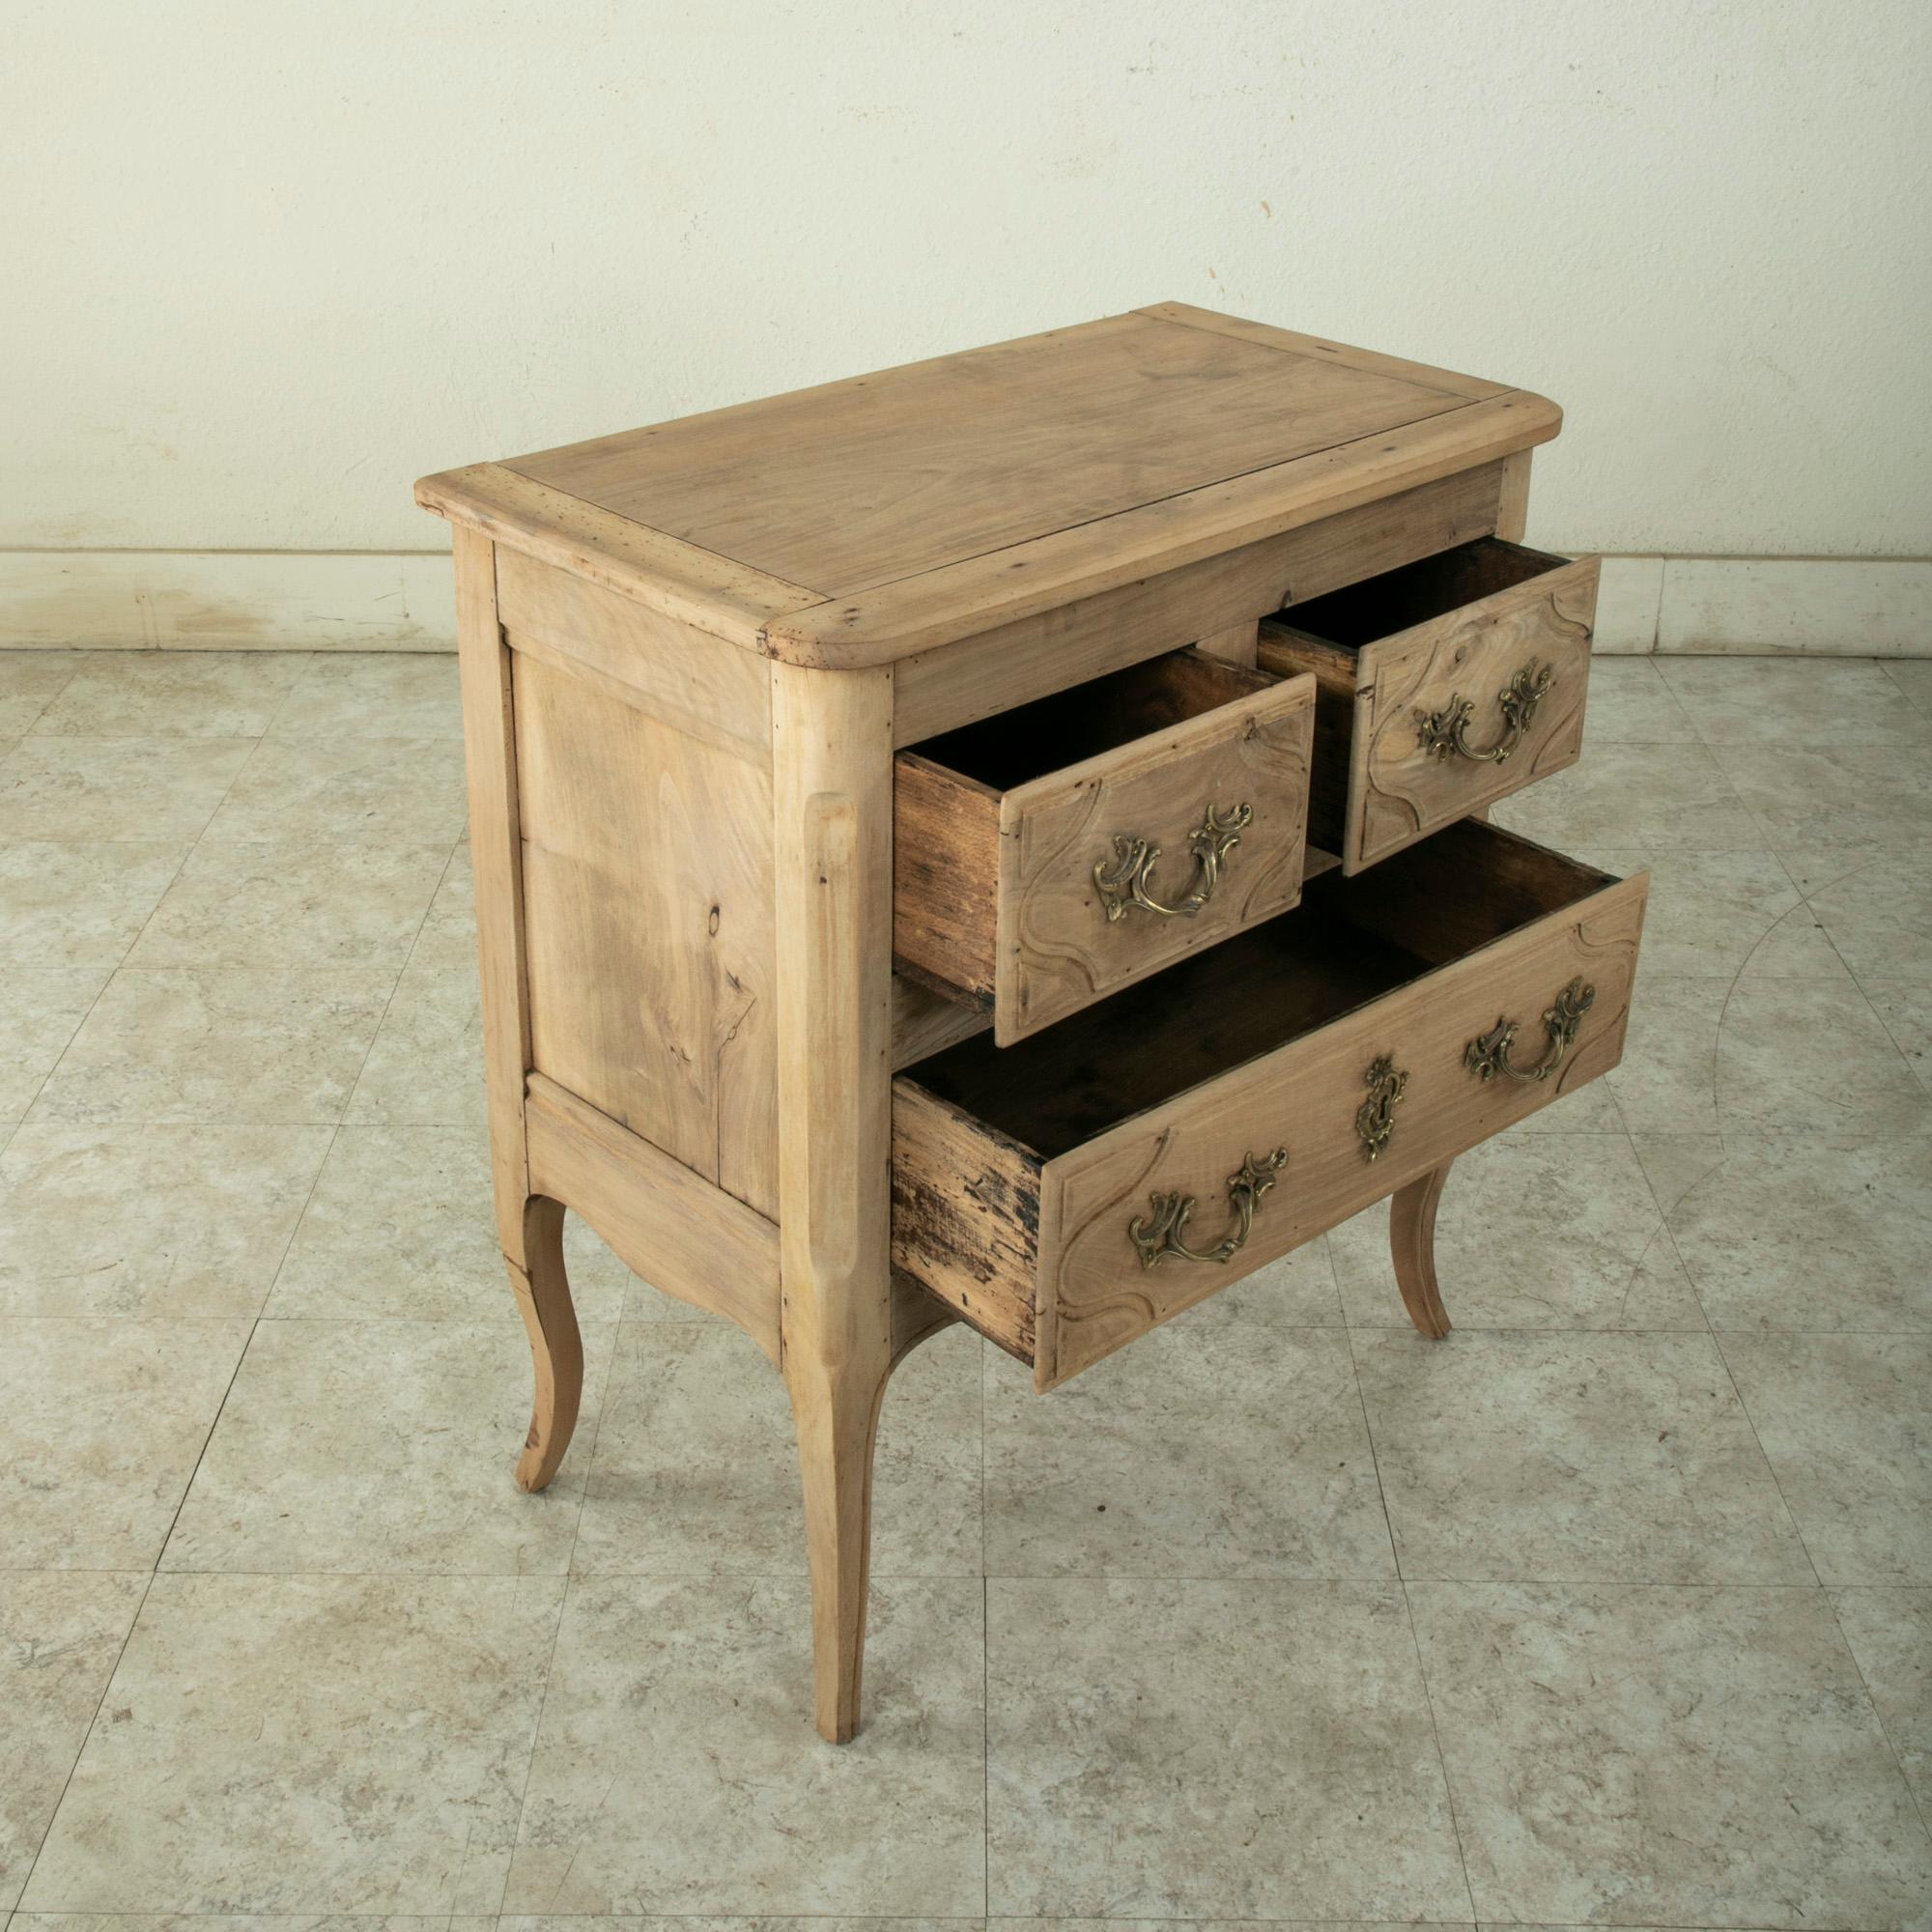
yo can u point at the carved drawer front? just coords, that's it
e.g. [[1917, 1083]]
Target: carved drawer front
[[1062, 850], [1074, 1191], [1444, 685]]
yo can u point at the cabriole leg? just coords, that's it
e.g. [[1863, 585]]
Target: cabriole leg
[[556, 1348], [1412, 1242]]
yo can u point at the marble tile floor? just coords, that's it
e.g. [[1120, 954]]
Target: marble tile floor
[[1613, 1609]]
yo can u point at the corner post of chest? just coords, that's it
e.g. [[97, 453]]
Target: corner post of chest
[[1512, 498], [831, 779], [530, 1229]]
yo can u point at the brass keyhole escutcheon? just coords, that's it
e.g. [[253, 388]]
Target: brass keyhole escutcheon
[[1375, 1118]]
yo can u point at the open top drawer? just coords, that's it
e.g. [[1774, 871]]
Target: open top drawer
[[1070, 1193], [1059, 851], [1444, 685]]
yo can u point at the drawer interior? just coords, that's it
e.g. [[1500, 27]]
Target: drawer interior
[[1016, 747], [1430, 588], [1351, 941]]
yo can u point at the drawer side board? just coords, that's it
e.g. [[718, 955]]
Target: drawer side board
[[966, 1215]]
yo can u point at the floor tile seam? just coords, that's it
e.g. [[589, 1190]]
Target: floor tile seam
[[134, 1623], [986, 1742], [75, 1570], [436, 893], [295, 1228], [1553, 1329], [1906, 697], [1670, 691], [254, 1327], [743, 1918], [357, 841], [207, 1437], [1669, 1237], [80, 1749], [570, 1573], [1340, 1302], [1663, 1215], [1791, 1515], [1878, 1716], [121, 964], [446, 1919], [1374, 1459], [151, 1123], [1608, 1087], [1730, 992], [1857, 979], [1806, 899], [73, 670], [383, 1019], [536, 1722], [1853, 742], [1246, 1580], [308, 670], [278, 973], [1441, 1755], [602, 1400], [1525, 1331]]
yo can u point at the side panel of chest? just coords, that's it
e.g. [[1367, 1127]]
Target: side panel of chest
[[647, 869]]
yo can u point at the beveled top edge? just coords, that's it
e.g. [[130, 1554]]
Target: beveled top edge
[[937, 608], [712, 593]]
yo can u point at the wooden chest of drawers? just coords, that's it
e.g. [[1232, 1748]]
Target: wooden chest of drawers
[[1002, 839]]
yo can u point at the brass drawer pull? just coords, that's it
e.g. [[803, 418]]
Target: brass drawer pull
[[1134, 859], [1156, 1239], [1375, 1118], [1488, 1055], [1447, 731]]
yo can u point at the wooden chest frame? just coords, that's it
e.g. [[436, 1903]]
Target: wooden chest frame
[[681, 802]]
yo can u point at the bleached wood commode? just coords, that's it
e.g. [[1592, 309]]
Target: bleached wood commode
[[1003, 840]]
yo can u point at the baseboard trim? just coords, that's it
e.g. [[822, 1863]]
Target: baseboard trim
[[1766, 606], [142, 600], [389, 601]]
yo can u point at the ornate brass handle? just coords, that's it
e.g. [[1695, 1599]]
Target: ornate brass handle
[[1163, 1234], [1127, 883], [1448, 730], [1488, 1054], [1375, 1118]]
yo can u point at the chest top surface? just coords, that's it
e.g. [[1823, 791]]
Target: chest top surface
[[871, 518]]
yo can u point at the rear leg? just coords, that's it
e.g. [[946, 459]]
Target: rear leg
[[556, 1348]]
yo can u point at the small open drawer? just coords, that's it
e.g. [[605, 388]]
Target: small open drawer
[[1443, 686], [1056, 852], [1069, 1194]]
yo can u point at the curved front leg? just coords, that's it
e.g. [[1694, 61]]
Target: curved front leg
[[1412, 1244], [556, 1348]]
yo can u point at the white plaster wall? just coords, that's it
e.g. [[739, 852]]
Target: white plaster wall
[[262, 264]]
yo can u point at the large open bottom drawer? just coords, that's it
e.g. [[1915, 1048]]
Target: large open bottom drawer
[[1068, 1193]]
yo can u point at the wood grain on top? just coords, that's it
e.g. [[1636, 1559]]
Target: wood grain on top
[[888, 475], [923, 502]]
